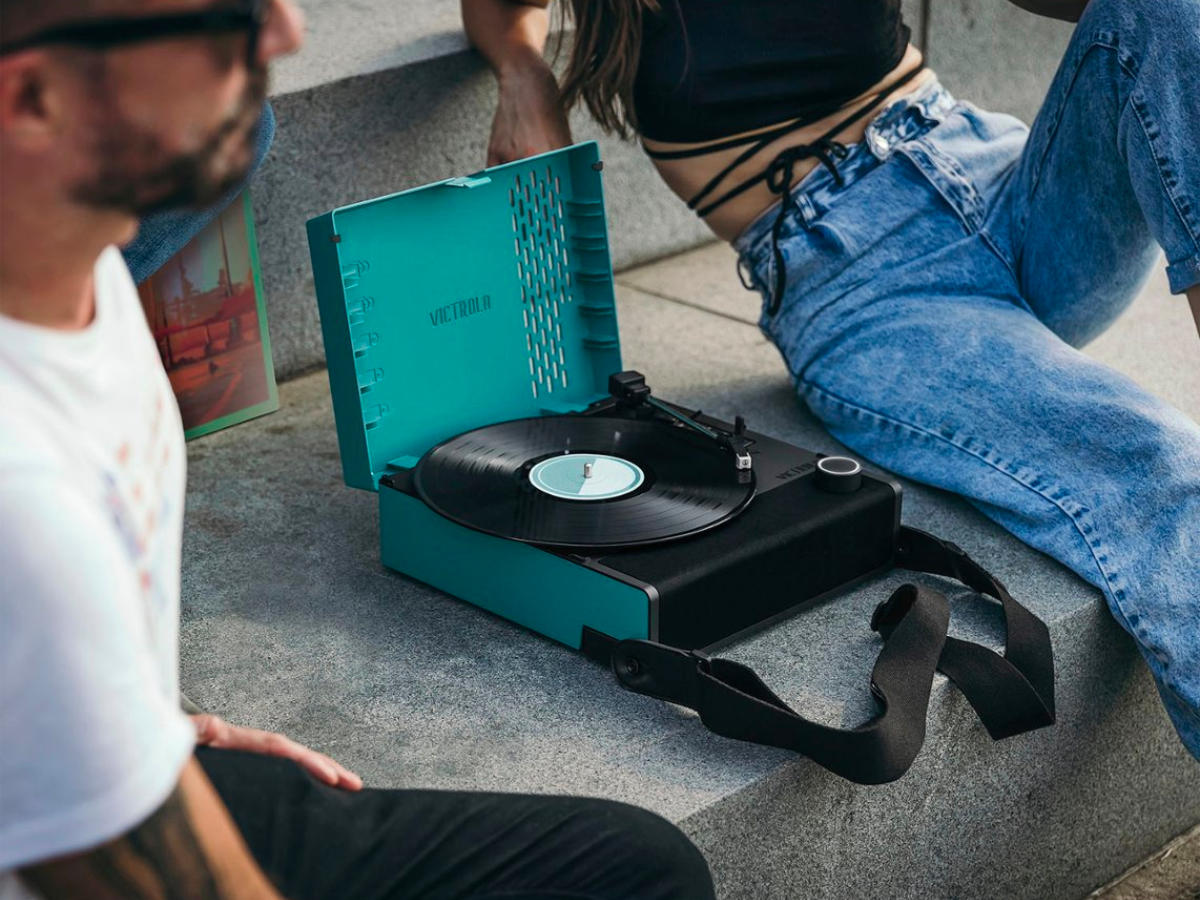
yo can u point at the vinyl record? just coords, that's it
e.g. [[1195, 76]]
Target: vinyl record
[[646, 481]]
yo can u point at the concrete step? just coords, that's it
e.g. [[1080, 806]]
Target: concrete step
[[993, 53], [388, 96], [291, 623], [1172, 873]]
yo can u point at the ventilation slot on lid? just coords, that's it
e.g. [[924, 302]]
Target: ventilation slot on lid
[[543, 269]]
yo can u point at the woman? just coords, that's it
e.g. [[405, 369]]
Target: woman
[[927, 268]]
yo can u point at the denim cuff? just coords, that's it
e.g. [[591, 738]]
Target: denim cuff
[[1184, 274], [162, 235]]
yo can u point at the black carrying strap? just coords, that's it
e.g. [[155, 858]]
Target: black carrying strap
[[1011, 694]]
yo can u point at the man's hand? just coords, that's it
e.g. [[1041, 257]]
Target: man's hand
[[212, 731], [529, 117]]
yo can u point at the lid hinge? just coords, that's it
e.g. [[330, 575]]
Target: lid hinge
[[468, 181]]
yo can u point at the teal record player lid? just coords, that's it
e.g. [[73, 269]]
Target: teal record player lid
[[464, 303]]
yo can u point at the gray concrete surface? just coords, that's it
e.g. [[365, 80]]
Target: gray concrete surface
[[1172, 873], [290, 623], [352, 38], [993, 53]]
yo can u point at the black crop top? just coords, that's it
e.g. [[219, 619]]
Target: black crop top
[[711, 68]]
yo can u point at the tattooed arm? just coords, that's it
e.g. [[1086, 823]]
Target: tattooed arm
[[188, 849]]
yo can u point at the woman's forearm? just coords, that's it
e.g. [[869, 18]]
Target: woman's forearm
[[1067, 10], [507, 33], [511, 35]]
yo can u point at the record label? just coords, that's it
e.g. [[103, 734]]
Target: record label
[[586, 476]]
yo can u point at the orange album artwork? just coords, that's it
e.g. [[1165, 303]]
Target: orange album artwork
[[206, 310]]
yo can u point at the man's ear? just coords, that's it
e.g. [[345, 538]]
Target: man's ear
[[29, 105]]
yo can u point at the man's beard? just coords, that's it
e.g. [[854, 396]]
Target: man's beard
[[133, 173]]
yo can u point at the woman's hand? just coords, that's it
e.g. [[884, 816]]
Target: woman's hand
[[529, 117], [212, 731]]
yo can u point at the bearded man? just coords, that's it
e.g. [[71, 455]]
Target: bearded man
[[110, 111]]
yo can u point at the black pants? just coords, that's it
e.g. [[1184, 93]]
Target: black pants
[[314, 841]]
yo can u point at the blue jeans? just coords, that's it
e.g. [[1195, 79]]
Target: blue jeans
[[935, 302], [163, 234]]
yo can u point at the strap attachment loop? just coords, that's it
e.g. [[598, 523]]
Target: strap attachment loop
[[657, 670]]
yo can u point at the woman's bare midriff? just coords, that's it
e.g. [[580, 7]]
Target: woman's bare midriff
[[687, 176]]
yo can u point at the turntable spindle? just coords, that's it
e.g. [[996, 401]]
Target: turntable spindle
[[587, 470]]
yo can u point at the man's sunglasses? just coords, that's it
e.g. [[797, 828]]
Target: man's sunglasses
[[97, 34]]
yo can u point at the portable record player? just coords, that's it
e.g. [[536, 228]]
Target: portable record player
[[487, 299], [473, 354]]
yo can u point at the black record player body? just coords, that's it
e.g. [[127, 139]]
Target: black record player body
[[792, 542]]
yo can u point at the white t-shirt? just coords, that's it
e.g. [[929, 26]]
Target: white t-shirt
[[92, 462]]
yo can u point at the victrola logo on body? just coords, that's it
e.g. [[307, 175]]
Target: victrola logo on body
[[801, 469], [459, 309]]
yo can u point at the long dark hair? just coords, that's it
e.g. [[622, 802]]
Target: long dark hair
[[604, 59]]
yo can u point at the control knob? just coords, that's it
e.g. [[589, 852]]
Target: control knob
[[838, 474]]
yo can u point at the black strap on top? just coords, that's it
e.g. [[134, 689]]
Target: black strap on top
[[779, 173], [1011, 693]]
